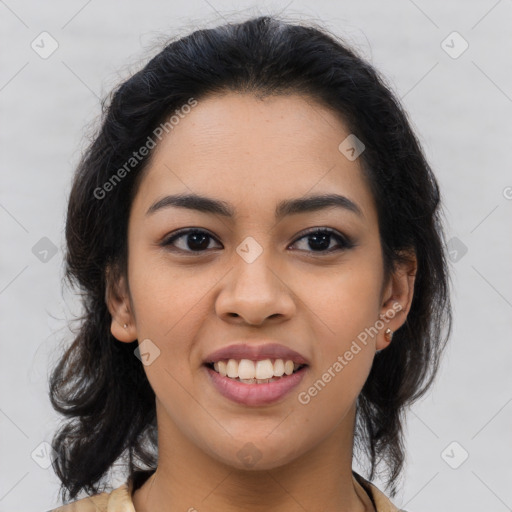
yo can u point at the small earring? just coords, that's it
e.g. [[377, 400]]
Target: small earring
[[388, 334], [125, 326]]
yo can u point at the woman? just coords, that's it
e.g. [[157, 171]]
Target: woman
[[257, 238]]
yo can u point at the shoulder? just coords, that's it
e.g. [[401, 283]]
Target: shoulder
[[117, 500], [96, 503], [380, 500]]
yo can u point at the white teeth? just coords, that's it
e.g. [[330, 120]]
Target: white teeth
[[278, 367], [222, 368], [258, 381], [232, 369], [246, 369], [264, 369], [255, 371]]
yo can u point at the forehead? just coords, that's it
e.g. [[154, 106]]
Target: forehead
[[253, 153]]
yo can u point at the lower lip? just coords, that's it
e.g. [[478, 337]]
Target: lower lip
[[255, 394]]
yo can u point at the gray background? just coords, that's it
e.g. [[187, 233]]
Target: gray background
[[461, 108]]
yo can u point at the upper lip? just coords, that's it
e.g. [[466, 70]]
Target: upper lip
[[256, 353]]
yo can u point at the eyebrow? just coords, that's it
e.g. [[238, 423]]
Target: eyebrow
[[283, 209]]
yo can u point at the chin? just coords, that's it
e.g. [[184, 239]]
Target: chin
[[257, 454]]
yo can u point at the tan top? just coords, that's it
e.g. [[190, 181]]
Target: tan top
[[119, 500]]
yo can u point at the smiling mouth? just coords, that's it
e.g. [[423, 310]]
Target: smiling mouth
[[273, 370]]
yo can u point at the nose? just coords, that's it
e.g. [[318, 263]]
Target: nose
[[254, 291]]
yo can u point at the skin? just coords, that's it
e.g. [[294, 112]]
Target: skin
[[253, 153]]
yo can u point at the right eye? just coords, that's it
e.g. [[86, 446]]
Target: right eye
[[194, 241]]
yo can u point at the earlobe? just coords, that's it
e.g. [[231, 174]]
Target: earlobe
[[397, 299], [125, 332], [122, 324]]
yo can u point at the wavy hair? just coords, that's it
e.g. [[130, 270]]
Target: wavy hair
[[98, 384]]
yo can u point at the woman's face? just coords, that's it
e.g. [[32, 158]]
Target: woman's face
[[253, 278]]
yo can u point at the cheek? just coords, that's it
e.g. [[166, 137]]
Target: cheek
[[164, 296], [167, 304], [345, 300], [346, 308]]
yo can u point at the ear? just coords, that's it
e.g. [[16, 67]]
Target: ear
[[118, 302], [397, 297]]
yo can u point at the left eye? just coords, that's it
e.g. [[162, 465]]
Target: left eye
[[320, 240], [198, 240]]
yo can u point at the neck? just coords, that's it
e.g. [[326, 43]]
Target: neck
[[189, 479]]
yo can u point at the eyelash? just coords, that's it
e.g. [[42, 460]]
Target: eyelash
[[344, 242]]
